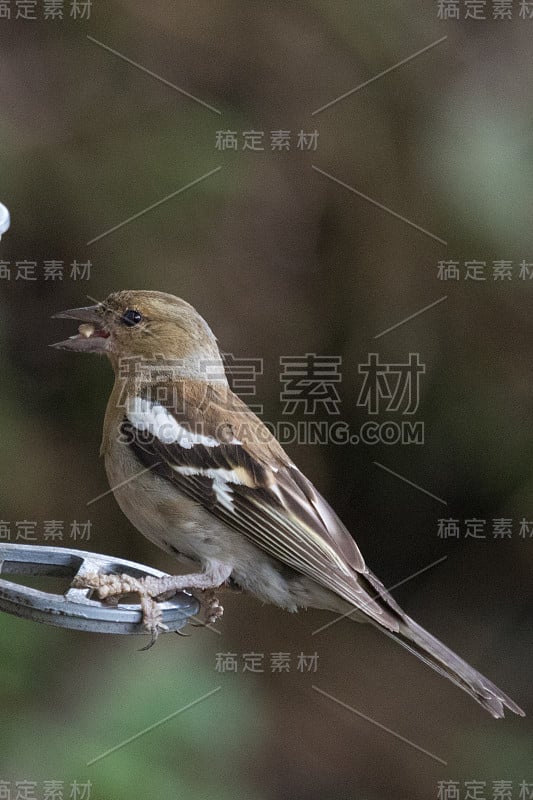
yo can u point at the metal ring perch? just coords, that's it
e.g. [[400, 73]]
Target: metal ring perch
[[74, 608]]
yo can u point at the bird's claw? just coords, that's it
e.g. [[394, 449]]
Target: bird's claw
[[152, 619], [214, 611], [110, 588], [210, 608]]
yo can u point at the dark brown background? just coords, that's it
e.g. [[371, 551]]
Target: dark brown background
[[281, 261]]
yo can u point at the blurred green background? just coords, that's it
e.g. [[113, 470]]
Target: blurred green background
[[281, 260]]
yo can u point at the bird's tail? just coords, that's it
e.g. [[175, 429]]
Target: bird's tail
[[395, 623], [447, 663]]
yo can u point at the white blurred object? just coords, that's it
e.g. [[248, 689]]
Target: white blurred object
[[5, 219]]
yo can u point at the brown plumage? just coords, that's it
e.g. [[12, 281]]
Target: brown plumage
[[200, 475]]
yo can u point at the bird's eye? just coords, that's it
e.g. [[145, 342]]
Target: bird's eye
[[131, 317]]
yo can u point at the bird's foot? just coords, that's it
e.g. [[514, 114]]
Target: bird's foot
[[211, 608], [110, 588]]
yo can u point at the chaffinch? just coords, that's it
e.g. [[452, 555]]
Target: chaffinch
[[199, 474]]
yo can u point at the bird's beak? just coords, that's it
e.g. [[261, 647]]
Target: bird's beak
[[92, 336]]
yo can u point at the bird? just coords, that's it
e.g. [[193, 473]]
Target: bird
[[202, 477]]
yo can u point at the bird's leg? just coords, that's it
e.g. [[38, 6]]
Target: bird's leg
[[151, 589]]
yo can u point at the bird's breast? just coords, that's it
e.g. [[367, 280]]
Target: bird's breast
[[158, 509]]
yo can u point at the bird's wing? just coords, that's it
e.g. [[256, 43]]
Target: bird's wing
[[208, 443]]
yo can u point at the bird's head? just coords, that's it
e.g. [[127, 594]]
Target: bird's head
[[144, 325]]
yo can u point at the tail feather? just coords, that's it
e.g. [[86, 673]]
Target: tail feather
[[447, 663], [436, 655]]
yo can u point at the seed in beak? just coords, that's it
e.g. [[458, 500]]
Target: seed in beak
[[86, 330]]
